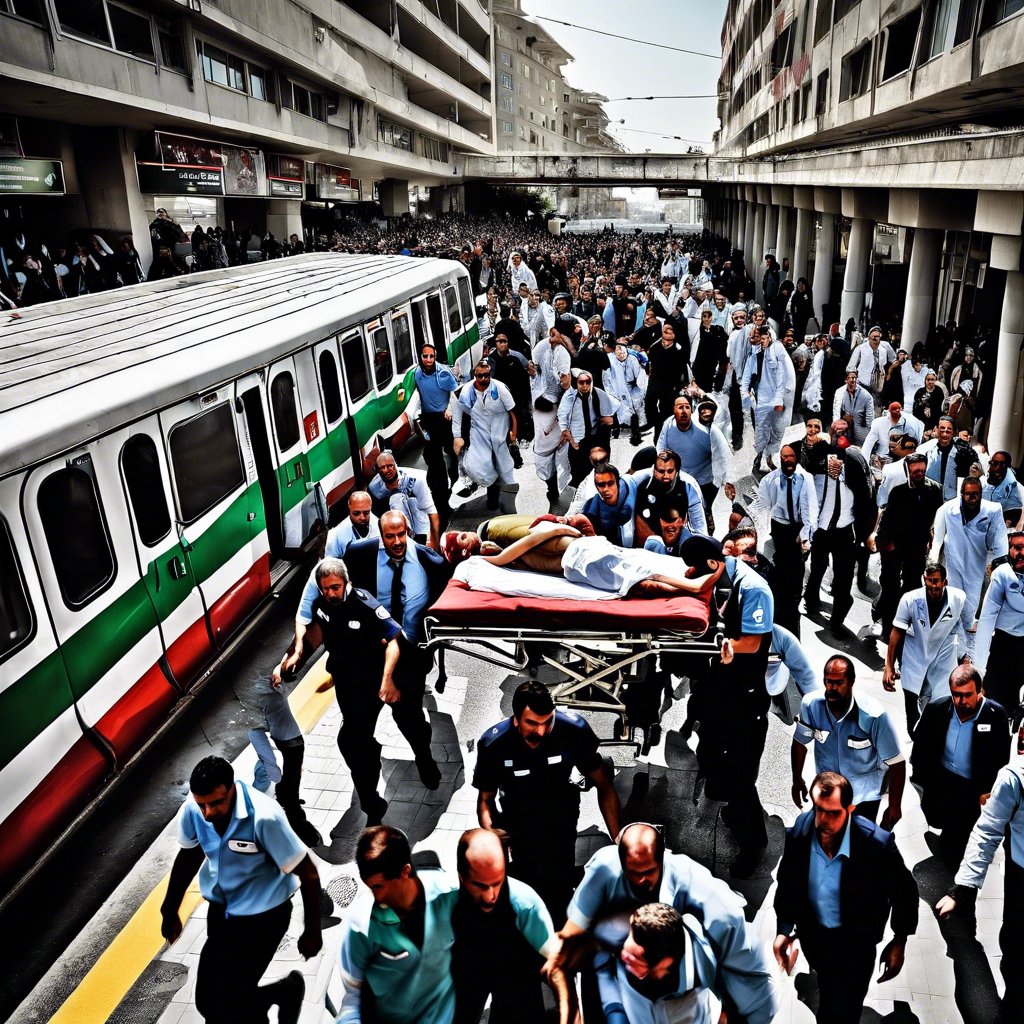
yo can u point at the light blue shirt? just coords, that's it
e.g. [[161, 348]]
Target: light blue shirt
[[743, 961], [248, 869], [435, 388], [1005, 494], [337, 544], [757, 605], [825, 878], [412, 984], [956, 757], [1003, 609], [860, 746], [415, 592], [693, 446], [793, 659], [1004, 808], [412, 498]]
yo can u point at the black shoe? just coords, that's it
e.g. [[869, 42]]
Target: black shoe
[[746, 863], [291, 989], [615, 433], [756, 468], [839, 630], [375, 812], [308, 834], [635, 440], [467, 490], [430, 774]]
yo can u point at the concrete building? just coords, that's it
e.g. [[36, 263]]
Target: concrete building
[[877, 147], [256, 115]]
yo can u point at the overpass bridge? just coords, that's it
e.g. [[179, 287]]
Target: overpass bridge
[[956, 158]]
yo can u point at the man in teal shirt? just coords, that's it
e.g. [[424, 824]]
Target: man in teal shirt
[[396, 950]]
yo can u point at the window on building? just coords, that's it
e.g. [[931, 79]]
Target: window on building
[[357, 376], [533, 138], [507, 104], [382, 365], [330, 385], [30, 10], [140, 466], [522, 132], [221, 67], [856, 73], [505, 58], [433, 149], [899, 42], [506, 127], [505, 79], [16, 624], [205, 461], [172, 49], [995, 11], [524, 68], [258, 83], [782, 114], [842, 9], [86, 18], [543, 101], [821, 93], [133, 33], [952, 22], [282, 405], [392, 134], [782, 49], [76, 533], [303, 101]]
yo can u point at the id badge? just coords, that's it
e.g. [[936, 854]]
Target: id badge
[[242, 846], [821, 735]]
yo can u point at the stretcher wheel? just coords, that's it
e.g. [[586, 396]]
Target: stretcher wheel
[[623, 730]]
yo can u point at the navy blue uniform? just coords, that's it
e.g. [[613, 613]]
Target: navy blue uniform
[[540, 807]]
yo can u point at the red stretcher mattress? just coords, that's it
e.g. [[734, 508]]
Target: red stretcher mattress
[[460, 606]]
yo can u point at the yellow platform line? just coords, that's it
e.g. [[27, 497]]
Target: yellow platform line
[[139, 942]]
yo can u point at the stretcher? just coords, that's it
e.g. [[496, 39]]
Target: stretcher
[[594, 650]]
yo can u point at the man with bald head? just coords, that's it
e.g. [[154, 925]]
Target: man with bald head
[[503, 935], [639, 870]]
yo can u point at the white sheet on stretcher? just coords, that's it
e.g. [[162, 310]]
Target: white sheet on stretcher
[[479, 574]]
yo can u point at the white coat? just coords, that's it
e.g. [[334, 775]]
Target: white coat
[[487, 460], [930, 652]]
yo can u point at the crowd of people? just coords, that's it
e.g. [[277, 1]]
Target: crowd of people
[[865, 446]]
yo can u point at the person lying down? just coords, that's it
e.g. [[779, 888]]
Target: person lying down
[[571, 550]]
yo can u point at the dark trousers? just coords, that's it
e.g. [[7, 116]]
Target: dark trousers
[[951, 803], [900, 570], [911, 703], [1011, 942], [543, 856], [503, 966], [736, 413], [789, 574], [658, 408], [709, 492], [236, 953], [360, 708], [839, 545], [1005, 670], [579, 458], [439, 455], [844, 967]]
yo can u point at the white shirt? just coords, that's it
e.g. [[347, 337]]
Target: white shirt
[[883, 426], [825, 488], [864, 362], [772, 492]]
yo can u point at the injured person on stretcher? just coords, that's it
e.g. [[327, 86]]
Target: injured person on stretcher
[[571, 550]]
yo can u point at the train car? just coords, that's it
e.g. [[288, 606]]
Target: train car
[[167, 453]]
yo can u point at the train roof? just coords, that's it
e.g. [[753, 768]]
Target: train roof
[[76, 369]]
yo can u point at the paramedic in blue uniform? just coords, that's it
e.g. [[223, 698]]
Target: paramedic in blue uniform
[[853, 738], [436, 384], [733, 700], [525, 762], [363, 652], [252, 862]]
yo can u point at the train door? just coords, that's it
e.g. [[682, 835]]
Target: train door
[[220, 518], [292, 434], [399, 389], [103, 618], [438, 331], [47, 763], [363, 420], [459, 356], [162, 554], [334, 467]]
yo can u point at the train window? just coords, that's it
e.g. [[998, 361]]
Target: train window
[[404, 354], [419, 329], [454, 317], [15, 612], [76, 533], [437, 325], [205, 461], [282, 404], [382, 368], [466, 301], [353, 358], [331, 386], [141, 468]]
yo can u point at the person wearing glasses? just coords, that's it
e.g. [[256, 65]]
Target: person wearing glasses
[[492, 428], [1002, 486]]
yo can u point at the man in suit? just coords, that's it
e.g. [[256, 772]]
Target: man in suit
[[840, 879], [406, 578], [959, 746]]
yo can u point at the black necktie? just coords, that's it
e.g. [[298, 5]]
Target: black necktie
[[789, 501], [396, 590], [837, 508], [585, 402]]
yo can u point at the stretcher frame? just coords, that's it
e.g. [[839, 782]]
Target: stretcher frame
[[591, 666]]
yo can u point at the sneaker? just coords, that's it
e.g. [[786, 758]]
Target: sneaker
[[291, 989]]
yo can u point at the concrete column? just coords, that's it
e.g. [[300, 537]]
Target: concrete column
[[394, 196], [786, 235], [823, 261], [758, 251], [804, 226], [748, 235], [284, 218], [1007, 419], [771, 229], [919, 308], [852, 302]]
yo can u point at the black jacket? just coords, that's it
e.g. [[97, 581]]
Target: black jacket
[[990, 749], [875, 883]]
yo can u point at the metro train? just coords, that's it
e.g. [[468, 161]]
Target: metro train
[[168, 453]]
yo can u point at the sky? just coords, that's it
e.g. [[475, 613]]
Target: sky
[[616, 68]]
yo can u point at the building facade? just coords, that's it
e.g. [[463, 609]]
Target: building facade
[[242, 113]]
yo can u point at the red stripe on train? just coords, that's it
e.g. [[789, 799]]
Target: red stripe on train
[[135, 716], [40, 817], [229, 611], [188, 655]]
